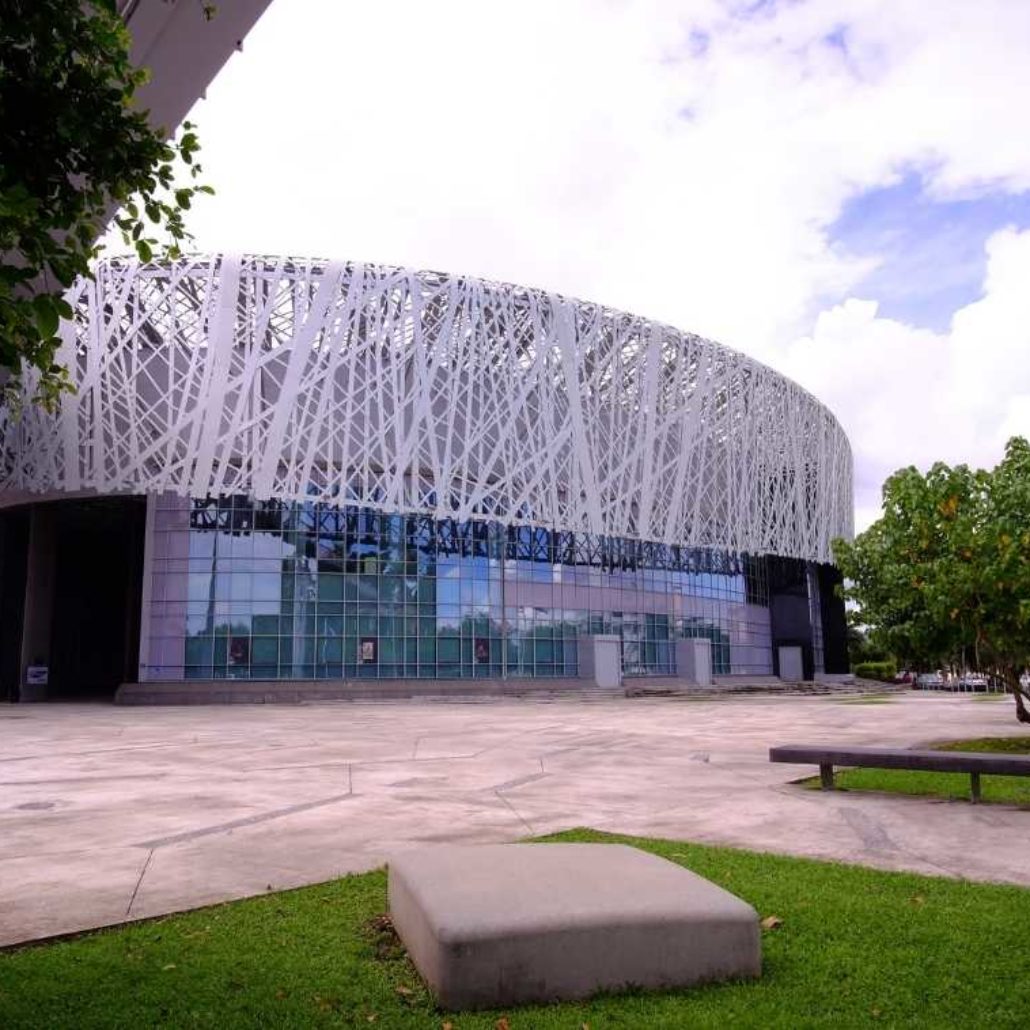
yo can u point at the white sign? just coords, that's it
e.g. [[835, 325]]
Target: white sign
[[37, 675]]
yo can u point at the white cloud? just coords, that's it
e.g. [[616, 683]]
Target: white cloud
[[681, 160], [908, 396]]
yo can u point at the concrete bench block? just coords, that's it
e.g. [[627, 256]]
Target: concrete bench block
[[495, 925]]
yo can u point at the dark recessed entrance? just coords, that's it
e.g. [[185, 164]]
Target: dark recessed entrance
[[14, 542], [97, 589]]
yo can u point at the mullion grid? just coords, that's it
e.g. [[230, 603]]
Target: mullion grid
[[344, 576]]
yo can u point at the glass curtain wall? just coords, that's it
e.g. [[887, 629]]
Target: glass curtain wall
[[272, 590]]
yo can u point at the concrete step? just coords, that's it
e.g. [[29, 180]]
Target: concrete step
[[467, 691], [201, 692], [725, 687]]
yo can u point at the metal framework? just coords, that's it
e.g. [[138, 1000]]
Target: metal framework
[[423, 392]]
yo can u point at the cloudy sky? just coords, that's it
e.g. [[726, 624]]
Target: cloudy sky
[[840, 188]]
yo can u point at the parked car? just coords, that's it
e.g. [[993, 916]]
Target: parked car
[[972, 681], [930, 680]]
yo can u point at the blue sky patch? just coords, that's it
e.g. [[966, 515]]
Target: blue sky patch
[[838, 39], [932, 252]]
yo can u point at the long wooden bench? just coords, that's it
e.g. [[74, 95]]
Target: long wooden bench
[[976, 763]]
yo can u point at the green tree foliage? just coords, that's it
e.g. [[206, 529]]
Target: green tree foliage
[[947, 566], [884, 671], [863, 645], [73, 149]]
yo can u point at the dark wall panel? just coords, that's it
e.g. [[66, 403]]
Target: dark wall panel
[[14, 541], [835, 627], [789, 616]]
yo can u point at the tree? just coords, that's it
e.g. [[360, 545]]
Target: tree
[[947, 566], [73, 150], [863, 646]]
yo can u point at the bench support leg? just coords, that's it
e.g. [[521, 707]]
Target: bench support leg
[[974, 787], [826, 777]]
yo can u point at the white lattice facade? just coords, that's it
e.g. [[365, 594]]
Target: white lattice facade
[[419, 392], [353, 470]]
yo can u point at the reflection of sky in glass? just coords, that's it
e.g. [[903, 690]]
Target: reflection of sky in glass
[[303, 599]]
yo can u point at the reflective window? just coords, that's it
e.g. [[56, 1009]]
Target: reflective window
[[272, 590]]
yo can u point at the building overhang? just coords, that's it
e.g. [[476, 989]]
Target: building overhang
[[184, 48]]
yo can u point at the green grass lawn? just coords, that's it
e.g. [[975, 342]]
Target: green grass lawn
[[997, 745], [1011, 790], [856, 947]]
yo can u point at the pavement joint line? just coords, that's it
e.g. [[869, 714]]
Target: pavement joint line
[[82, 779], [142, 873], [92, 849], [519, 782], [587, 745], [518, 815], [154, 746], [295, 765], [250, 820], [419, 761]]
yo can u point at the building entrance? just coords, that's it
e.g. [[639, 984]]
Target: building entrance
[[71, 591], [96, 600], [14, 536]]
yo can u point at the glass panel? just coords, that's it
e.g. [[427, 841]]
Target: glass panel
[[268, 589]]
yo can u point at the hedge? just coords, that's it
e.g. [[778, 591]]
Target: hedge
[[885, 671]]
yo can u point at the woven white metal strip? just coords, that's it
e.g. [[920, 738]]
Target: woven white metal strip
[[422, 392]]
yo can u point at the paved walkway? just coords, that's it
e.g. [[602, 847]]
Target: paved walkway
[[112, 813]]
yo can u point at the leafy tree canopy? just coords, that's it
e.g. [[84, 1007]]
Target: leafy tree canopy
[[947, 566], [73, 149], [863, 645]]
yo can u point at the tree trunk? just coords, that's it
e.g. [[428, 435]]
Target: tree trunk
[[1022, 713], [1021, 696], [1010, 675]]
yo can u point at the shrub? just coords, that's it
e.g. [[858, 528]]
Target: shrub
[[885, 671]]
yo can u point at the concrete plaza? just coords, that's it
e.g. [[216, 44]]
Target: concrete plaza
[[108, 813]]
